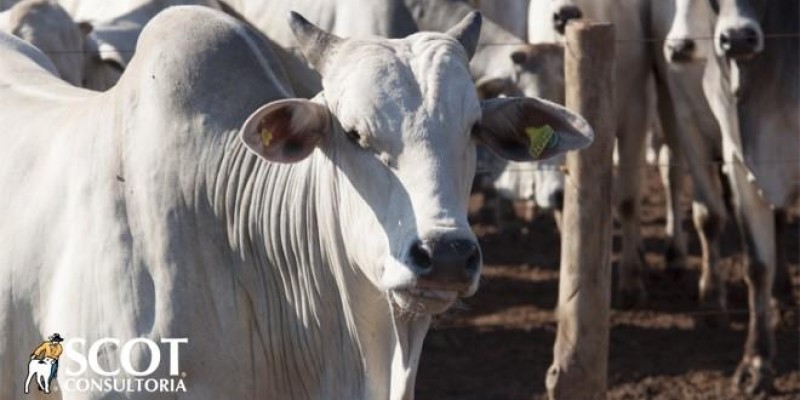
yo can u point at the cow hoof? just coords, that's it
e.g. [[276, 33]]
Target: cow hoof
[[753, 378]]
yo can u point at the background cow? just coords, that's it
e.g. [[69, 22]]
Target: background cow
[[754, 91], [45, 24]]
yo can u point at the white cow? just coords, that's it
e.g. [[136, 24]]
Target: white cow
[[39, 371], [45, 24], [302, 253], [754, 91], [510, 14]]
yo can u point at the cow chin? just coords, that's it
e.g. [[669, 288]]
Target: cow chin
[[423, 301], [405, 292]]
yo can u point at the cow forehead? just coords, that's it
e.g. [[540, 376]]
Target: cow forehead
[[381, 85]]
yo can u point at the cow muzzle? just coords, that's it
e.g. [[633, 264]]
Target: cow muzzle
[[563, 15], [740, 43], [445, 268], [680, 50]]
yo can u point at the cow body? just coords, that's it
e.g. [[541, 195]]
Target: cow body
[[121, 237]]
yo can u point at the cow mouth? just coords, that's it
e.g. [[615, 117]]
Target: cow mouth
[[424, 300]]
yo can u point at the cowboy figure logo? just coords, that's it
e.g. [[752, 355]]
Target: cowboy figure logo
[[43, 365]]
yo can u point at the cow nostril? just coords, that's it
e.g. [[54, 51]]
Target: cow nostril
[[724, 41], [474, 261], [421, 256], [570, 12], [751, 39], [681, 50], [564, 15], [557, 200]]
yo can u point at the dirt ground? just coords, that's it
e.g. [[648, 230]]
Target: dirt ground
[[498, 344]]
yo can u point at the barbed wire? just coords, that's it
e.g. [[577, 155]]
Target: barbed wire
[[549, 168]]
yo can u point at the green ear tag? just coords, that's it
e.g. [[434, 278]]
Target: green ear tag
[[541, 138], [266, 136]]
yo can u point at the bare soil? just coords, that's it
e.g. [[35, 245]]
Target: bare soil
[[498, 344]]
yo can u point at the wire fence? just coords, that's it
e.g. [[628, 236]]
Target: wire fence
[[773, 36]]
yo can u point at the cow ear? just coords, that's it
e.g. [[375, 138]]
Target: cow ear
[[530, 129], [286, 131]]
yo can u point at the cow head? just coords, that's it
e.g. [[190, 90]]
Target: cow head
[[688, 37], [737, 33], [398, 120]]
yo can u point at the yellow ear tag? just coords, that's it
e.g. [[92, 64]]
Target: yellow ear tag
[[541, 138], [266, 136]]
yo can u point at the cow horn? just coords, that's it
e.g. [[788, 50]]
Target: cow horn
[[315, 43], [467, 32]]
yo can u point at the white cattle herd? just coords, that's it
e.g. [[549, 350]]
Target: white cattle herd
[[292, 195]]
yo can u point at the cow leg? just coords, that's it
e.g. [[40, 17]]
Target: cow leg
[[693, 143], [633, 109], [672, 173], [28, 382], [631, 141], [783, 291], [757, 224], [713, 297]]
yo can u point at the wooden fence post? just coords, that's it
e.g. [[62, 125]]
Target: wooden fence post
[[580, 355]]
